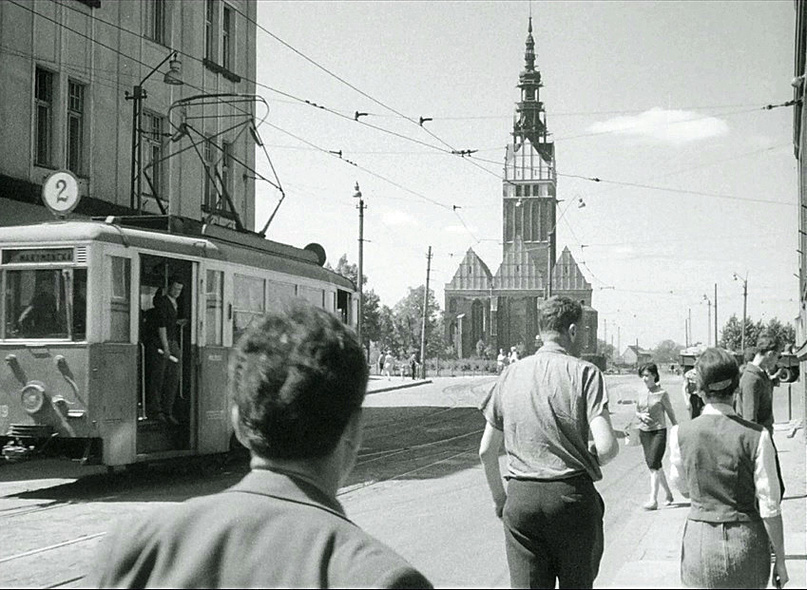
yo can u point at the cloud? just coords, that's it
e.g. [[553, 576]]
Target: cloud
[[396, 217], [666, 126]]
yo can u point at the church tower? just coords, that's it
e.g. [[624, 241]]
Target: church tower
[[486, 312], [530, 180]]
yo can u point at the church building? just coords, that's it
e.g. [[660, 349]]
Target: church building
[[500, 309]]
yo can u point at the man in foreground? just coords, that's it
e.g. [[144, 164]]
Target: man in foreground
[[543, 409], [297, 381]]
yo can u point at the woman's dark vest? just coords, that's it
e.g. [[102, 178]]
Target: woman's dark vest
[[718, 454]]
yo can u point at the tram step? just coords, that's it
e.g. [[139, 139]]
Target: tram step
[[154, 436]]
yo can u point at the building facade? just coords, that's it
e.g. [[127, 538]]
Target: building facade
[[501, 309], [76, 74]]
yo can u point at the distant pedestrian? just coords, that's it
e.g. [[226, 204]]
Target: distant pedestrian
[[543, 409], [501, 361], [754, 400], [389, 364], [689, 389], [298, 382], [651, 407], [380, 363], [413, 365], [513, 355], [725, 465]]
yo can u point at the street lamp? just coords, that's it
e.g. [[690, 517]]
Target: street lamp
[[745, 301], [172, 77], [361, 206]]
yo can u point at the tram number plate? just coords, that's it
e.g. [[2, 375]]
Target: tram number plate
[[214, 414]]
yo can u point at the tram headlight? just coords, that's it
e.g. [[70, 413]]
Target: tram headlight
[[32, 397]]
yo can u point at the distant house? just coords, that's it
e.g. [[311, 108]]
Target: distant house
[[635, 356]]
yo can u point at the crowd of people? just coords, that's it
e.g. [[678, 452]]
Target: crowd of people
[[298, 380]]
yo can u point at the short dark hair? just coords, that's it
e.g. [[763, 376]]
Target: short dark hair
[[557, 313], [718, 374], [175, 279], [767, 343], [297, 377], [651, 368]]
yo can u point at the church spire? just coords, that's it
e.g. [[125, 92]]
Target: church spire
[[529, 54]]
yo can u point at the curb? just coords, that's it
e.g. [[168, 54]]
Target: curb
[[399, 386]]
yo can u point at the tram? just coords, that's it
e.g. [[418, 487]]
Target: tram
[[76, 296]]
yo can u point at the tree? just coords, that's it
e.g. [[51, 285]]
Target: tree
[[731, 335], [348, 270], [784, 332], [666, 352], [407, 318], [605, 349]]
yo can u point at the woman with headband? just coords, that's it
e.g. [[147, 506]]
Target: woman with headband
[[726, 466]]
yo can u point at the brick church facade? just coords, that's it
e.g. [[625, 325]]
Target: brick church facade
[[501, 309]]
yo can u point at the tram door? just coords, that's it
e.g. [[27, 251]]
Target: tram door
[[166, 406]]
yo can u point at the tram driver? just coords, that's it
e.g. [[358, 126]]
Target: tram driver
[[165, 354]]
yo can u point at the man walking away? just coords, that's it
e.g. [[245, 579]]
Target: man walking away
[[754, 400], [543, 409], [297, 382]]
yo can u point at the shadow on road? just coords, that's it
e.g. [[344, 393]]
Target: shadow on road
[[399, 443]]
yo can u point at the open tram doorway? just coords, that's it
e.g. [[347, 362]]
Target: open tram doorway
[[166, 392]]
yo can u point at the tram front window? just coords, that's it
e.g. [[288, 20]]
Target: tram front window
[[46, 303]]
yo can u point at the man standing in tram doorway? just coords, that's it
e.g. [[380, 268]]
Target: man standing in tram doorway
[[167, 362]]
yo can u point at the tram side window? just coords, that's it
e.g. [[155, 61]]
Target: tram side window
[[214, 308], [120, 296], [279, 293], [36, 304], [248, 302], [313, 296]]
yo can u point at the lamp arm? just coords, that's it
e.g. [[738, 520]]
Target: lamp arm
[[157, 67]]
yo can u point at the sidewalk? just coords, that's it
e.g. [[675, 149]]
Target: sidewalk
[[379, 384], [655, 561]]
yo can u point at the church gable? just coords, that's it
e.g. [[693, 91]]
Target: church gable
[[566, 276], [471, 275], [519, 270]]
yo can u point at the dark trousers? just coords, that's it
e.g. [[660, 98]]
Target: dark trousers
[[695, 405], [553, 531], [163, 380]]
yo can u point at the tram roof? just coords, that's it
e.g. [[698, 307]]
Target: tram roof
[[252, 251]]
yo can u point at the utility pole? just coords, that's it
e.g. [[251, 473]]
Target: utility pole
[[605, 333], [745, 304], [689, 319], [361, 207], [715, 314], [425, 315], [708, 321]]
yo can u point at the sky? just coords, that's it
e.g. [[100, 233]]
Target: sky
[[661, 101]]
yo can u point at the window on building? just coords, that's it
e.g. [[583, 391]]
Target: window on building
[[153, 126], [227, 38], [227, 167], [75, 128], [210, 30], [43, 113], [210, 196], [155, 20]]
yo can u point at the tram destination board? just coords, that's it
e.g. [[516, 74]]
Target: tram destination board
[[37, 255]]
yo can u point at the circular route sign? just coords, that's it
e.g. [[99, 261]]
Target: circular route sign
[[60, 192]]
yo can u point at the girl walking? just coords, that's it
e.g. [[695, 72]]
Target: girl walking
[[651, 407]]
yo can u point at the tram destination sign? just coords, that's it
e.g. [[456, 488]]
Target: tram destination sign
[[37, 255]]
